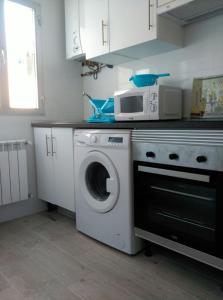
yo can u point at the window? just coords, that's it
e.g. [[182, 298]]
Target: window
[[20, 56]]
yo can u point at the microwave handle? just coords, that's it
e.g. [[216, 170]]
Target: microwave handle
[[177, 174]]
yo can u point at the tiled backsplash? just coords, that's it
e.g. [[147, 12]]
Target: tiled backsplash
[[202, 55]]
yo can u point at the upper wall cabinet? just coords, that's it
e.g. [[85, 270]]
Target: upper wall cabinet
[[189, 11], [95, 31], [114, 31], [94, 27], [136, 31], [72, 26], [131, 23]]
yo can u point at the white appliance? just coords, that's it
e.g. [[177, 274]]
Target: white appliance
[[103, 188], [189, 11], [156, 102]]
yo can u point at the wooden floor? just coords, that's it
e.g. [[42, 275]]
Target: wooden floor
[[44, 257]]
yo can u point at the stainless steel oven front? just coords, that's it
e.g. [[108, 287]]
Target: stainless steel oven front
[[178, 191]]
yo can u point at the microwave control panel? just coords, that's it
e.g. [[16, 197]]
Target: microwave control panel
[[153, 106]]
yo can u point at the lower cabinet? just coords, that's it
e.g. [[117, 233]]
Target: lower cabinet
[[55, 166]]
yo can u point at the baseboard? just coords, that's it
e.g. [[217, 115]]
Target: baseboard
[[21, 209]]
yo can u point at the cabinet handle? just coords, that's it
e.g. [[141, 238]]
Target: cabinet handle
[[150, 25], [52, 143], [47, 148], [103, 25]]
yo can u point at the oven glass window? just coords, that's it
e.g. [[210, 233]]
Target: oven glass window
[[179, 209], [132, 104], [184, 204]]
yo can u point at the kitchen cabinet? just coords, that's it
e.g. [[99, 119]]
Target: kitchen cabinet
[[72, 27], [44, 163], [94, 27], [141, 31], [55, 167], [131, 23], [116, 31], [185, 12]]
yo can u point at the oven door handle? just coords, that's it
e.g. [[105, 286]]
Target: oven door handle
[[177, 174], [181, 193]]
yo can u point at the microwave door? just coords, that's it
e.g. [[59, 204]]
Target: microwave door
[[132, 106]]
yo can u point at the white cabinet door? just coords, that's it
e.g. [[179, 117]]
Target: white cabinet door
[[55, 166], [72, 26], [131, 22], [63, 167], [44, 164], [94, 27]]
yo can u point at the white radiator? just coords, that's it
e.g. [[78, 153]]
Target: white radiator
[[13, 171]]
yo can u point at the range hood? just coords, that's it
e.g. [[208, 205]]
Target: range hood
[[189, 11]]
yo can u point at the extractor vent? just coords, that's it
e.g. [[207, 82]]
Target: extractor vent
[[180, 137], [193, 11]]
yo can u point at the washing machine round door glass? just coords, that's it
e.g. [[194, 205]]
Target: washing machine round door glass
[[99, 182]]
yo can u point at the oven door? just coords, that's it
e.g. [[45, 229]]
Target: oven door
[[181, 204]]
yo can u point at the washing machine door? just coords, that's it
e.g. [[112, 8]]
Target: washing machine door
[[99, 182]]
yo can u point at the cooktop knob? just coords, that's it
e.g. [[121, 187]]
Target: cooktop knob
[[150, 154], [201, 159], [173, 156]]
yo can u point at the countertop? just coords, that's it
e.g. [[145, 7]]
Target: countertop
[[169, 124]]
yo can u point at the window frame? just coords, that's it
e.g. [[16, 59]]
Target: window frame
[[5, 108]]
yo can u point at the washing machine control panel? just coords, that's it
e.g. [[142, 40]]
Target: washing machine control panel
[[114, 140]]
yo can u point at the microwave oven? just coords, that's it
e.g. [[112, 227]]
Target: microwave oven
[[158, 102]]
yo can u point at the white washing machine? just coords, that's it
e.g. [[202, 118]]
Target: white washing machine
[[103, 188]]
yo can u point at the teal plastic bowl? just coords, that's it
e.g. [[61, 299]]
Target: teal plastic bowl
[[142, 80]]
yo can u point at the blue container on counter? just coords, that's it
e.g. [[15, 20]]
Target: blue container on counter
[[103, 111], [142, 80]]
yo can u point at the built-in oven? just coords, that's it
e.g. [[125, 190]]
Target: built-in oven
[[178, 191]]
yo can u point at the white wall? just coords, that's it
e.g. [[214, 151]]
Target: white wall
[[201, 56], [62, 89]]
